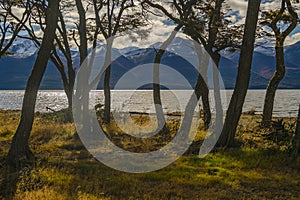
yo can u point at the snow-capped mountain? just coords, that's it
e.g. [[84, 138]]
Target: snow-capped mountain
[[23, 48], [15, 69]]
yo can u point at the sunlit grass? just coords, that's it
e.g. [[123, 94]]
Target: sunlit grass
[[259, 169]]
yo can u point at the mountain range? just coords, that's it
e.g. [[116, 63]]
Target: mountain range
[[15, 68]]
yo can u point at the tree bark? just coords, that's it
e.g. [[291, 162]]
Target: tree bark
[[209, 45], [66, 49], [217, 90], [107, 92], [205, 102], [68, 81], [107, 95], [82, 31], [20, 153], [273, 84], [242, 83], [202, 81], [161, 122], [214, 22]]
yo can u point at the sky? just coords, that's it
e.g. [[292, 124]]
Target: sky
[[160, 28]]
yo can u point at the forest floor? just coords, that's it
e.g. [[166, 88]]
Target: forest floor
[[259, 167]]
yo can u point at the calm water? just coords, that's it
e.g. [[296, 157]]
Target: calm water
[[286, 102]]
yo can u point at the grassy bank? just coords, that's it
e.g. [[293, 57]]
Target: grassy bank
[[258, 168]]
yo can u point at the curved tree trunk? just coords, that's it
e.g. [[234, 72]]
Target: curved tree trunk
[[68, 82], [242, 83], [214, 22], [209, 45], [66, 49], [280, 67], [217, 93], [202, 82], [19, 152], [162, 127], [217, 90], [273, 84]]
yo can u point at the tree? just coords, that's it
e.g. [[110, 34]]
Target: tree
[[64, 36], [161, 123], [182, 11], [19, 152], [82, 30], [206, 24], [114, 17], [10, 24], [218, 35], [210, 42], [274, 20], [242, 82]]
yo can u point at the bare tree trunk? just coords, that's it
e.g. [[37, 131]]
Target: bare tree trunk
[[107, 95], [216, 80], [107, 91], [156, 81], [242, 83], [209, 45], [296, 139], [69, 93], [273, 84], [202, 82], [66, 49], [68, 83], [20, 152], [82, 31], [217, 93], [206, 105], [70, 88], [83, 50], [212, 37], [280, 66], [217, 90], [68, 117]]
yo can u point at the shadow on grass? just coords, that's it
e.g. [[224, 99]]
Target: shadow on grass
[[9, 180]]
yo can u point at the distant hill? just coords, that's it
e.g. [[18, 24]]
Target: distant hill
[[15, 69]]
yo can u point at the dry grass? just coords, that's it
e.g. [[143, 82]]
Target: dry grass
[[259, 169]]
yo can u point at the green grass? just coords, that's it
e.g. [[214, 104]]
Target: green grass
[[259, 169]]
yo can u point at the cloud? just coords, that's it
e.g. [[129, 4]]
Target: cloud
[[159, 31], [161, 27], [238, 7]]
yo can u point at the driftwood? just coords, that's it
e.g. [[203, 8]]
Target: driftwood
[[50, 109]]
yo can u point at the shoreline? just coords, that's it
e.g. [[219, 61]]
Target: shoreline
[[286, 102], [259, 166], [169, 114]]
